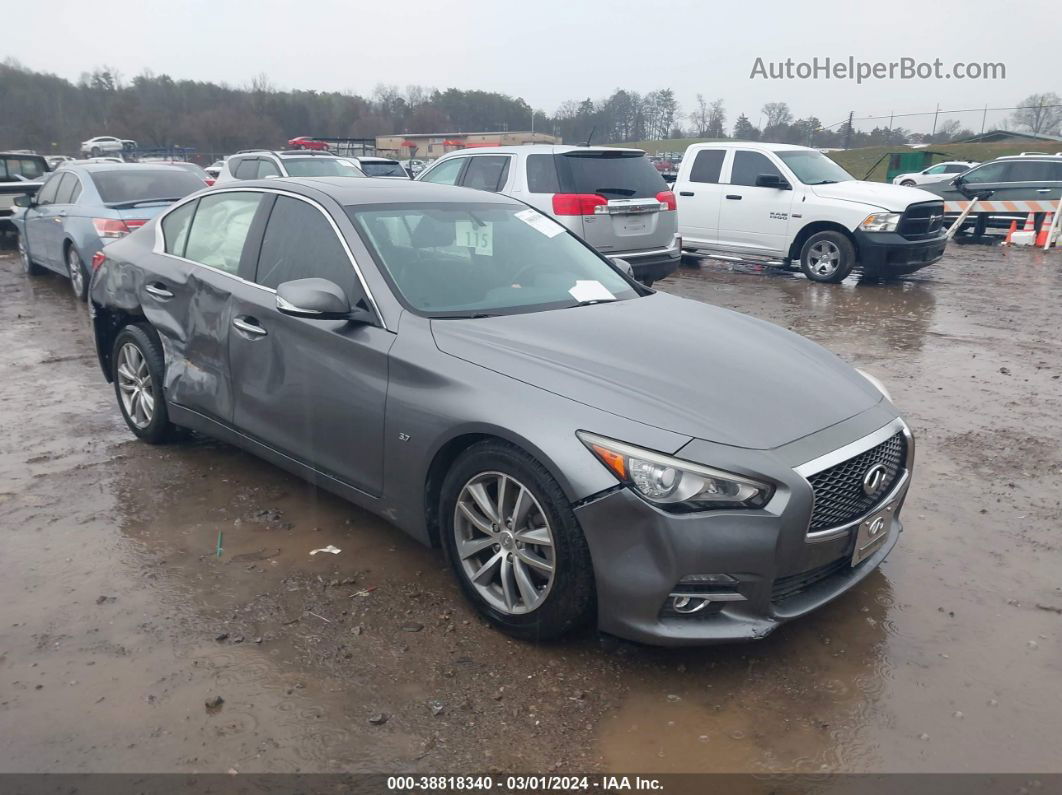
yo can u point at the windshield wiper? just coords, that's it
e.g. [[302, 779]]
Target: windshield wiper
[[825, 182], [590, 301], [468, 316]]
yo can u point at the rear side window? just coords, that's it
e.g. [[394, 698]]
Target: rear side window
[[749, 165], [299, 243], [267, 168], [708, 165], [614, 175], [542, 174], [175, 228], [446, 173], [46, 195], [125, 185], [1031, 171], [487, 172], [246, 169], [3, 168], [66, 189], [220, 229]]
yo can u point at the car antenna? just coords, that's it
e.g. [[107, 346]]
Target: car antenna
[[591, 135]]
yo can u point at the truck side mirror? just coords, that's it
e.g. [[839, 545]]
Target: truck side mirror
[[772, 181]]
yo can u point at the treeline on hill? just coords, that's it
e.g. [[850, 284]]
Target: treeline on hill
[[50, 114]]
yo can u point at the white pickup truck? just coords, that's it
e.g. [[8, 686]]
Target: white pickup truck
[[786, 204]]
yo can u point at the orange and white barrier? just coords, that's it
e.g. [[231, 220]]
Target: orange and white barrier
[[1032, 206]]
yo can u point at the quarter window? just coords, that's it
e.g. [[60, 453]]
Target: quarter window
[[749, 165], [299, 243], [219, 230], [486, 172], [246, 169], [542, 174], [707, 166], [66, 189], [175, 228], [266, 168], [446, 173]]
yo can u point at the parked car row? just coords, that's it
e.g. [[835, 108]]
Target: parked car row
[[465, 365]]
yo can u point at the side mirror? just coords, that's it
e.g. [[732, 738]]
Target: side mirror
[[624, 266], [23, 201], [314, 299], [772, 181]]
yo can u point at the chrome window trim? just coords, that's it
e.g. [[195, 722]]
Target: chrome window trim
[[841, 454], [160, 244]]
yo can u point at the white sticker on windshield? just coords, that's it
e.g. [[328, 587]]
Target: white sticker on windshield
[[540, 222], [477, 236], [590, 290]]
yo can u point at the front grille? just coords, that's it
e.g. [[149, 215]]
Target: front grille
[[839, 495], [922, 221], [793, 584]]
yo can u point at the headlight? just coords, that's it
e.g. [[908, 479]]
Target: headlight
[[676, 485], [877, 384], [880, 222]]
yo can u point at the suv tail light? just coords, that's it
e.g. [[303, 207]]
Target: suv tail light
[[667, 198], [97, 260], [577, 203]]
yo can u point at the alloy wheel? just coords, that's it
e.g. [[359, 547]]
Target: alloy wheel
[[134, 385], [77, 273], [824, 258], [504, 542]]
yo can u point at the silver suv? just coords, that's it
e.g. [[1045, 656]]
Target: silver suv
[[264, 163], [612, 198]]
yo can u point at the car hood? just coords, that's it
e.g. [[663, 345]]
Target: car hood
[[888, 197], [680, 365]]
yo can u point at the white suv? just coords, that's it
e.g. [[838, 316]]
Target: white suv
[[264, 163], [782, 204], [612, 198]]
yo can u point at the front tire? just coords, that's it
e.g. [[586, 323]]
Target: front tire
[[514, 543], [95, 151], [75, 270], [29, 267], [137, 369], [908, 183], [827, 257]]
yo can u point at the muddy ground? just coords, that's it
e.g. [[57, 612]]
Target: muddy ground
[[118, 620]]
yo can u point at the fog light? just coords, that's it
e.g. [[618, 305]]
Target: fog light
[[687, 604]]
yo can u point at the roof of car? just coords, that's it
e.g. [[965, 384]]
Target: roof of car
[[548, 149], [372, 159], [96, 168], [761, 145], [358, 190]]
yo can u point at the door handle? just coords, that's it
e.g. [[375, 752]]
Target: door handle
[[733, 196], [249, 325], [1044, 190], [685, 193], [158, 290]]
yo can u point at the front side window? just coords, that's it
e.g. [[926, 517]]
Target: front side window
[[487, 172], [46, 195], [175, 228], [299, 243], [449, 259], [446, 173], [812, 168], [993, 172], [219, 230], [935, 170], [320, 167], [749, 165]]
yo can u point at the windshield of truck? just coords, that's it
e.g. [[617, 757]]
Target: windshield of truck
[[814, 168]]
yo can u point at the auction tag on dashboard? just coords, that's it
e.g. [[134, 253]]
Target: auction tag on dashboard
[[540, 223], [477, 236], [590, 290]]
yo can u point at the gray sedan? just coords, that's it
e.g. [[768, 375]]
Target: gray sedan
[[581, 447], [80, 209]]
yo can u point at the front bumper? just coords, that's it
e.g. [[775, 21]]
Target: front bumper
[[891, 253], [653, 264], [641, 553]]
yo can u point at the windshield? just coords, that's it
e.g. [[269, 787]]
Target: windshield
[[484, 259], [614, 175], [383, 168], [134, 184], [813, 168], [320, 167]]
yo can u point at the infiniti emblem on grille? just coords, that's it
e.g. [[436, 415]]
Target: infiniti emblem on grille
[[874, 479]]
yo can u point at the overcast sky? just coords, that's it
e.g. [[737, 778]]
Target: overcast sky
[[551, 50]]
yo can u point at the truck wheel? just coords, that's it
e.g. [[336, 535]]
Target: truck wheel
[[827, 257], [514, 543]]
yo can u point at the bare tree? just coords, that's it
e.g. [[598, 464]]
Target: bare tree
[[1040, 113]]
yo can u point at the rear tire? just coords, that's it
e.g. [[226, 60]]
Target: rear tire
[[75, 271], [29, 267], [499, 554], [95, 151], [138, 369], [827, 257]]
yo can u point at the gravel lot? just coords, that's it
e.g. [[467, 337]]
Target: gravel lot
[[119, 622]]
